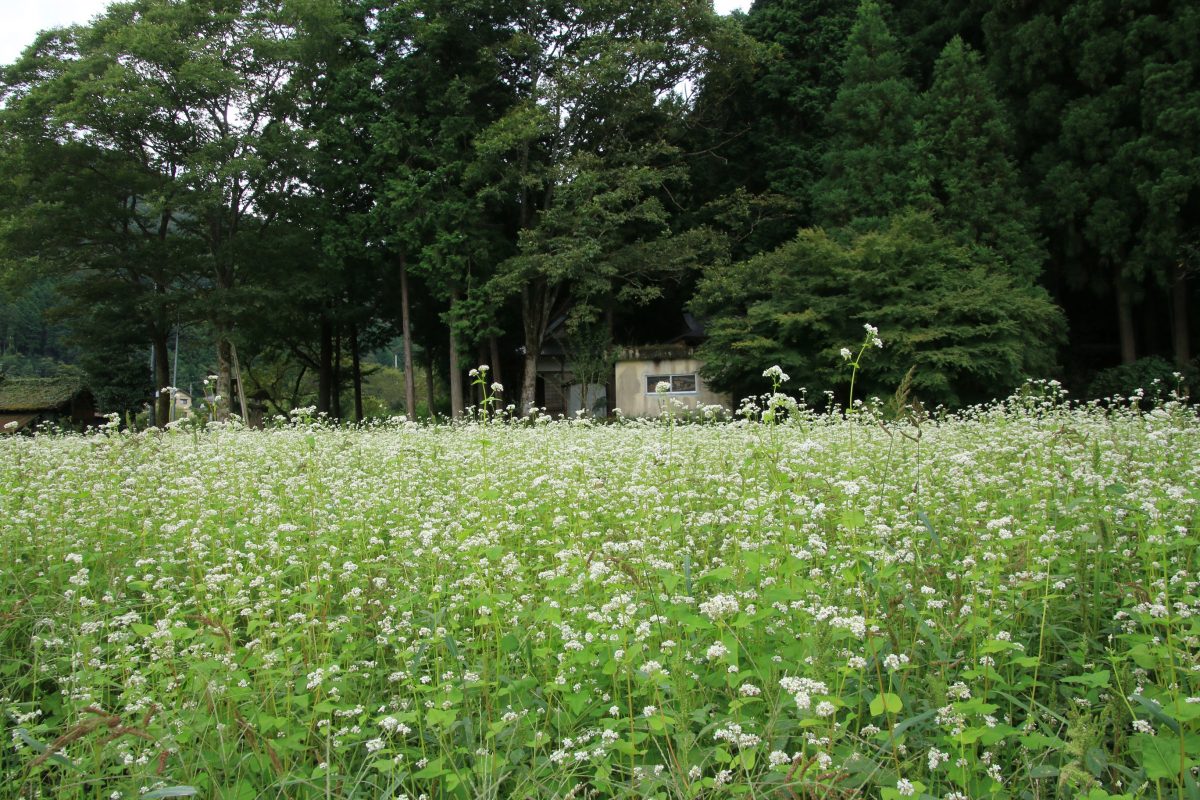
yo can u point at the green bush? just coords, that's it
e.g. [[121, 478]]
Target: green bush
[[1155, 376]]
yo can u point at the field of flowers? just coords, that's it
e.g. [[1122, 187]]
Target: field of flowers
[[998, 604]]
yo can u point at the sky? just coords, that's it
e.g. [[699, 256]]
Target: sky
[[22, 19]]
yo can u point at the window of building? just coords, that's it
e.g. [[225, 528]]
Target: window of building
[[680, 384]]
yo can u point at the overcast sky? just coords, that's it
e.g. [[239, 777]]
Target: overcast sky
[[20, 20]]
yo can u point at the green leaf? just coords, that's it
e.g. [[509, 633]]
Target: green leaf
[[432, 770], [1095, 680], [171, 791], [1039, 741], [937, 540], [625, 747], [1157, 712], [891, 703], [29, 741], [852, 518], [578, 702], [1160, 755]]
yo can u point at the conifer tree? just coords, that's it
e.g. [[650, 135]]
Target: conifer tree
[[967, 145], [871, 165], [1106, 98]]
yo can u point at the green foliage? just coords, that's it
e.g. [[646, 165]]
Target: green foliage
[[967, 147], [1155, 377], [264, 168], [872, 168], [951, 310], [27, 330], [438, 88], [761, 116], [1106, 103]]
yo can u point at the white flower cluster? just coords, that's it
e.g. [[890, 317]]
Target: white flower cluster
[[716, 650], [733, 733], [719, 606], [802, 690], [776, 373], [394, 726]]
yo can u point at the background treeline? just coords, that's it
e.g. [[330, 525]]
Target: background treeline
[[312, 189]]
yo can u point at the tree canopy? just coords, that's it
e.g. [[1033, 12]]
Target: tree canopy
[[288, 187]]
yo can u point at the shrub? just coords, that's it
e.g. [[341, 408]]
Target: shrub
[[1155, 376]]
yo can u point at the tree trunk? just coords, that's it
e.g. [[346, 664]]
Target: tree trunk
[[456, 378], [410, 379], [162, 372], [162, 363], [1125, 320], [295, 399], [529, 381], [224, 374], [429, 387], [325, 368], [1180, 329], [610, 380], [537, 299], [494, 348], [356, 372], [337, 373], [241, 386]]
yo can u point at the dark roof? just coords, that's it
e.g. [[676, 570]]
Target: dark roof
[[39, 394], [12, 423], [657, 352], [694, 331]]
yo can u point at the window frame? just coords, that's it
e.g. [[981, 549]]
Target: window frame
[[670, 378]]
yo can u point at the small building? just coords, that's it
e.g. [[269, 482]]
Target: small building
[[640, 370], [561, 390], [28, 402], [637, 374], [634, 381], [183, 404]]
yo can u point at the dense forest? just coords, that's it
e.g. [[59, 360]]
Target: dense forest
[[308, 188]]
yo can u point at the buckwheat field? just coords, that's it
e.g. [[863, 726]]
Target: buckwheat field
[[1000, 603]]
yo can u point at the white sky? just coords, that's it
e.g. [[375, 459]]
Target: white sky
[[20, 20]]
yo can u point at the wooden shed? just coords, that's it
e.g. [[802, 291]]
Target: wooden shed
[[26, 402]]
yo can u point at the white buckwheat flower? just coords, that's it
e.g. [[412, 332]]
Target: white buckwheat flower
[[720, 605], [776, 373]]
